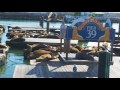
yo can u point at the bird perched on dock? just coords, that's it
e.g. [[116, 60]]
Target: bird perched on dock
[[74, 68]]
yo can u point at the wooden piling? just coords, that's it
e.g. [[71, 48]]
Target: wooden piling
[[47, 26]]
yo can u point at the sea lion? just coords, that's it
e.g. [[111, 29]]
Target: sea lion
[[38, 53], [84, 56], [17, 27], [79, 47], [34, 47], [52, 36], [94, 49], [73, 49], [1, 26], [52, 48], [104, 46], [46, 57], [18, 39], [3, 46]]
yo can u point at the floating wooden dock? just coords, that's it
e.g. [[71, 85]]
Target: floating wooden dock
[[71, 59], [51, 69], [57, 69], [29, 28], [47, 40], [40, 40], [26, 28]]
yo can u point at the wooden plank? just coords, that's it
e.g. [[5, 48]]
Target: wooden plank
[[69, 71], [27, 29], [61, 71], [44, 40], [83, 70], [115, 72], [93, 70], [28, 70], [58, 69], [51, 70], [57, 65], [40, 72], [73, 60], [67, 74]]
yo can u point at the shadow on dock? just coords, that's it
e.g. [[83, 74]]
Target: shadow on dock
[[56, 69]]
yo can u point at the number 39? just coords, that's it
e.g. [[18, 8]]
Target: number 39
[[91, 31]]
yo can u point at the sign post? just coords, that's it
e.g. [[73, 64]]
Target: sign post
[[91, 30], [104, 64]]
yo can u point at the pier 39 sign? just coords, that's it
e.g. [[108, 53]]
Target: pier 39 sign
[[91, 29]]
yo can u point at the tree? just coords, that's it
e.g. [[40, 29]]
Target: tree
[[77, 14], [93, 15]]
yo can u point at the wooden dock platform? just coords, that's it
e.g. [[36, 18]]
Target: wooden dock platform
[[28, 29], [57, 69], [47, 40], [40, 40]]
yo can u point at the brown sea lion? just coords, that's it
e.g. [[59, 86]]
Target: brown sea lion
[[94, 49], [104, 46], [3, 46], [1, 26], [11, 35], [46, 57], [34, 47], [41, 52], [73, 49], [79, 47], [37, 53]]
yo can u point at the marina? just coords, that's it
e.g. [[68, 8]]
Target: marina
[[87, 49]]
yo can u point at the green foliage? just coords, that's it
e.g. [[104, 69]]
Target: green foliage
[[2, 69], [93, 15], [77, 14], [82, 43]]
